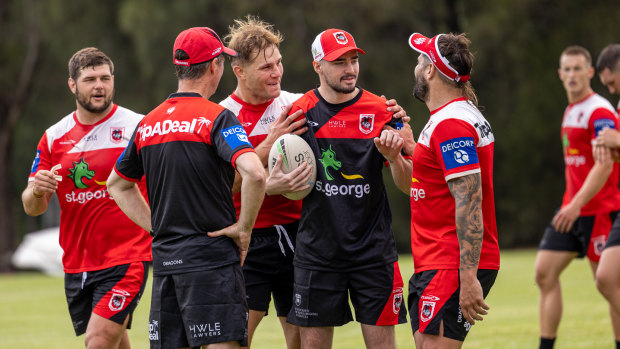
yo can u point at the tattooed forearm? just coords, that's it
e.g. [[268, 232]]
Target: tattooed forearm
[[467, 194]]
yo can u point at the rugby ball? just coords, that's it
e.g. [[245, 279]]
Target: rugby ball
[[294, 152]]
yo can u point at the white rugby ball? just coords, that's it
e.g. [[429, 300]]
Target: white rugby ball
[[294, 152]]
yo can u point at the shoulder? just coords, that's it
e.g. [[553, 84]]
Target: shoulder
[[232, 105], [127, 116], [63, 126], [288, 97]]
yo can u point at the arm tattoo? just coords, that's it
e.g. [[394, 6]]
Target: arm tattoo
[[467, 194]]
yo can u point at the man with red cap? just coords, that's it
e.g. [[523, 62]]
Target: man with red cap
[[189, 148], [345, 244], [455, 249]]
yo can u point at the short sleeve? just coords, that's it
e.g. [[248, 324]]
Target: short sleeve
[[129, 164], [42, 157], [229, 137], [454, 143], [600, 119]]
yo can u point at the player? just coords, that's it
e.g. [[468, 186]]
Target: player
[[262, 108], [105, 255], [455, 249], [345, 243], [258, 102], [607, 273], [591, 198], [188, 148]]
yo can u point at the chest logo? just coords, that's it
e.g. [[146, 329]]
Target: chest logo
[[79, 172], [328, 160], [116, 134], [367, 123]]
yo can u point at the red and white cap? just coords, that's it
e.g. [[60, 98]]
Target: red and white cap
[[201, 45], [430, 49], [333, 43]]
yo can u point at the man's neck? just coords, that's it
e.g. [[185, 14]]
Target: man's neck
[[87, 118], [334, 97], [246, 96], [195, 85], [442, 96], [578, 96]]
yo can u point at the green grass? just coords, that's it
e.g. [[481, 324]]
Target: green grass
[[33, 313]]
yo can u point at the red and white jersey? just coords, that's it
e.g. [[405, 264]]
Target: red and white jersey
[[94, 233], [581, 123], [256, 120], [457, 141]]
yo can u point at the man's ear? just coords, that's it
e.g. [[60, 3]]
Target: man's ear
[[71, 84], [239, 72]]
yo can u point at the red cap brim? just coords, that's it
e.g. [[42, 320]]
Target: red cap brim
[[339, 52]]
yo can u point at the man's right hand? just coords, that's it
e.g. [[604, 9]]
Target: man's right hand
[[44, 182], [279, 182], [240, 236]]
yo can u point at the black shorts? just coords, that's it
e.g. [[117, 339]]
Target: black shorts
[[614, 234], [112, 293], [268, 268], [587, 237], [322, 298], [434, 298], [198, 308]]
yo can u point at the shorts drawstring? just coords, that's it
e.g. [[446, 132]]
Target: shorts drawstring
[[84, 275], [281, 231]]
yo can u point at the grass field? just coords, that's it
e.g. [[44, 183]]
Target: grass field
[[33, 313]]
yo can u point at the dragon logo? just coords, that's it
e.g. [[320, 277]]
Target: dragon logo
[[328, 159], [79, 172]]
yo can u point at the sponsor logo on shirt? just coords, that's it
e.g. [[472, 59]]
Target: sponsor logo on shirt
[[267, 120], [458, 152], [602, 124], [90, 138], [205, 330], [235, 136], [329, 163], [85, 196], [161, 128], [79, 172], [337, 124], [35, 162], [416, 193], [172, 262]]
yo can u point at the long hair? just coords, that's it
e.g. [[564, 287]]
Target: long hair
[[455, 47]]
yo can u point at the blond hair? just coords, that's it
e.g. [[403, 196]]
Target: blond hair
[[249, 37]]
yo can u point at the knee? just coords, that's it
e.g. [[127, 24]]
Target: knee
[[604, 283], [544, 278], [101, 340]]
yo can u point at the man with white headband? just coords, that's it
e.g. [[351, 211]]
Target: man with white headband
[[455, 249]]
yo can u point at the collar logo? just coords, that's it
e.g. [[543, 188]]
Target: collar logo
[[419, 41]]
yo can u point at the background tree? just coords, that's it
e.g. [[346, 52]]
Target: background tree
[[517, 45]]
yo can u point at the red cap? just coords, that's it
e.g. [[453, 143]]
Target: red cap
[[201, 45], [333, 43], [429, 48]]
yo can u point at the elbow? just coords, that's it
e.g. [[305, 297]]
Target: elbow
[[259, 178]]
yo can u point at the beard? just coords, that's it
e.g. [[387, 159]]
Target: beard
[[340, 88], [420, 89], [84, 101]]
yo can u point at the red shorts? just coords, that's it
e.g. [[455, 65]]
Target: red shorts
[[112, 293]]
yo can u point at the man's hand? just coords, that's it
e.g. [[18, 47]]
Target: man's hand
[[279, 182], [608, 137], [565, 218], [285, 123], [46, 182], [405, 132], [471, 300], [240, 236], [389, 144], [396, 110]]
